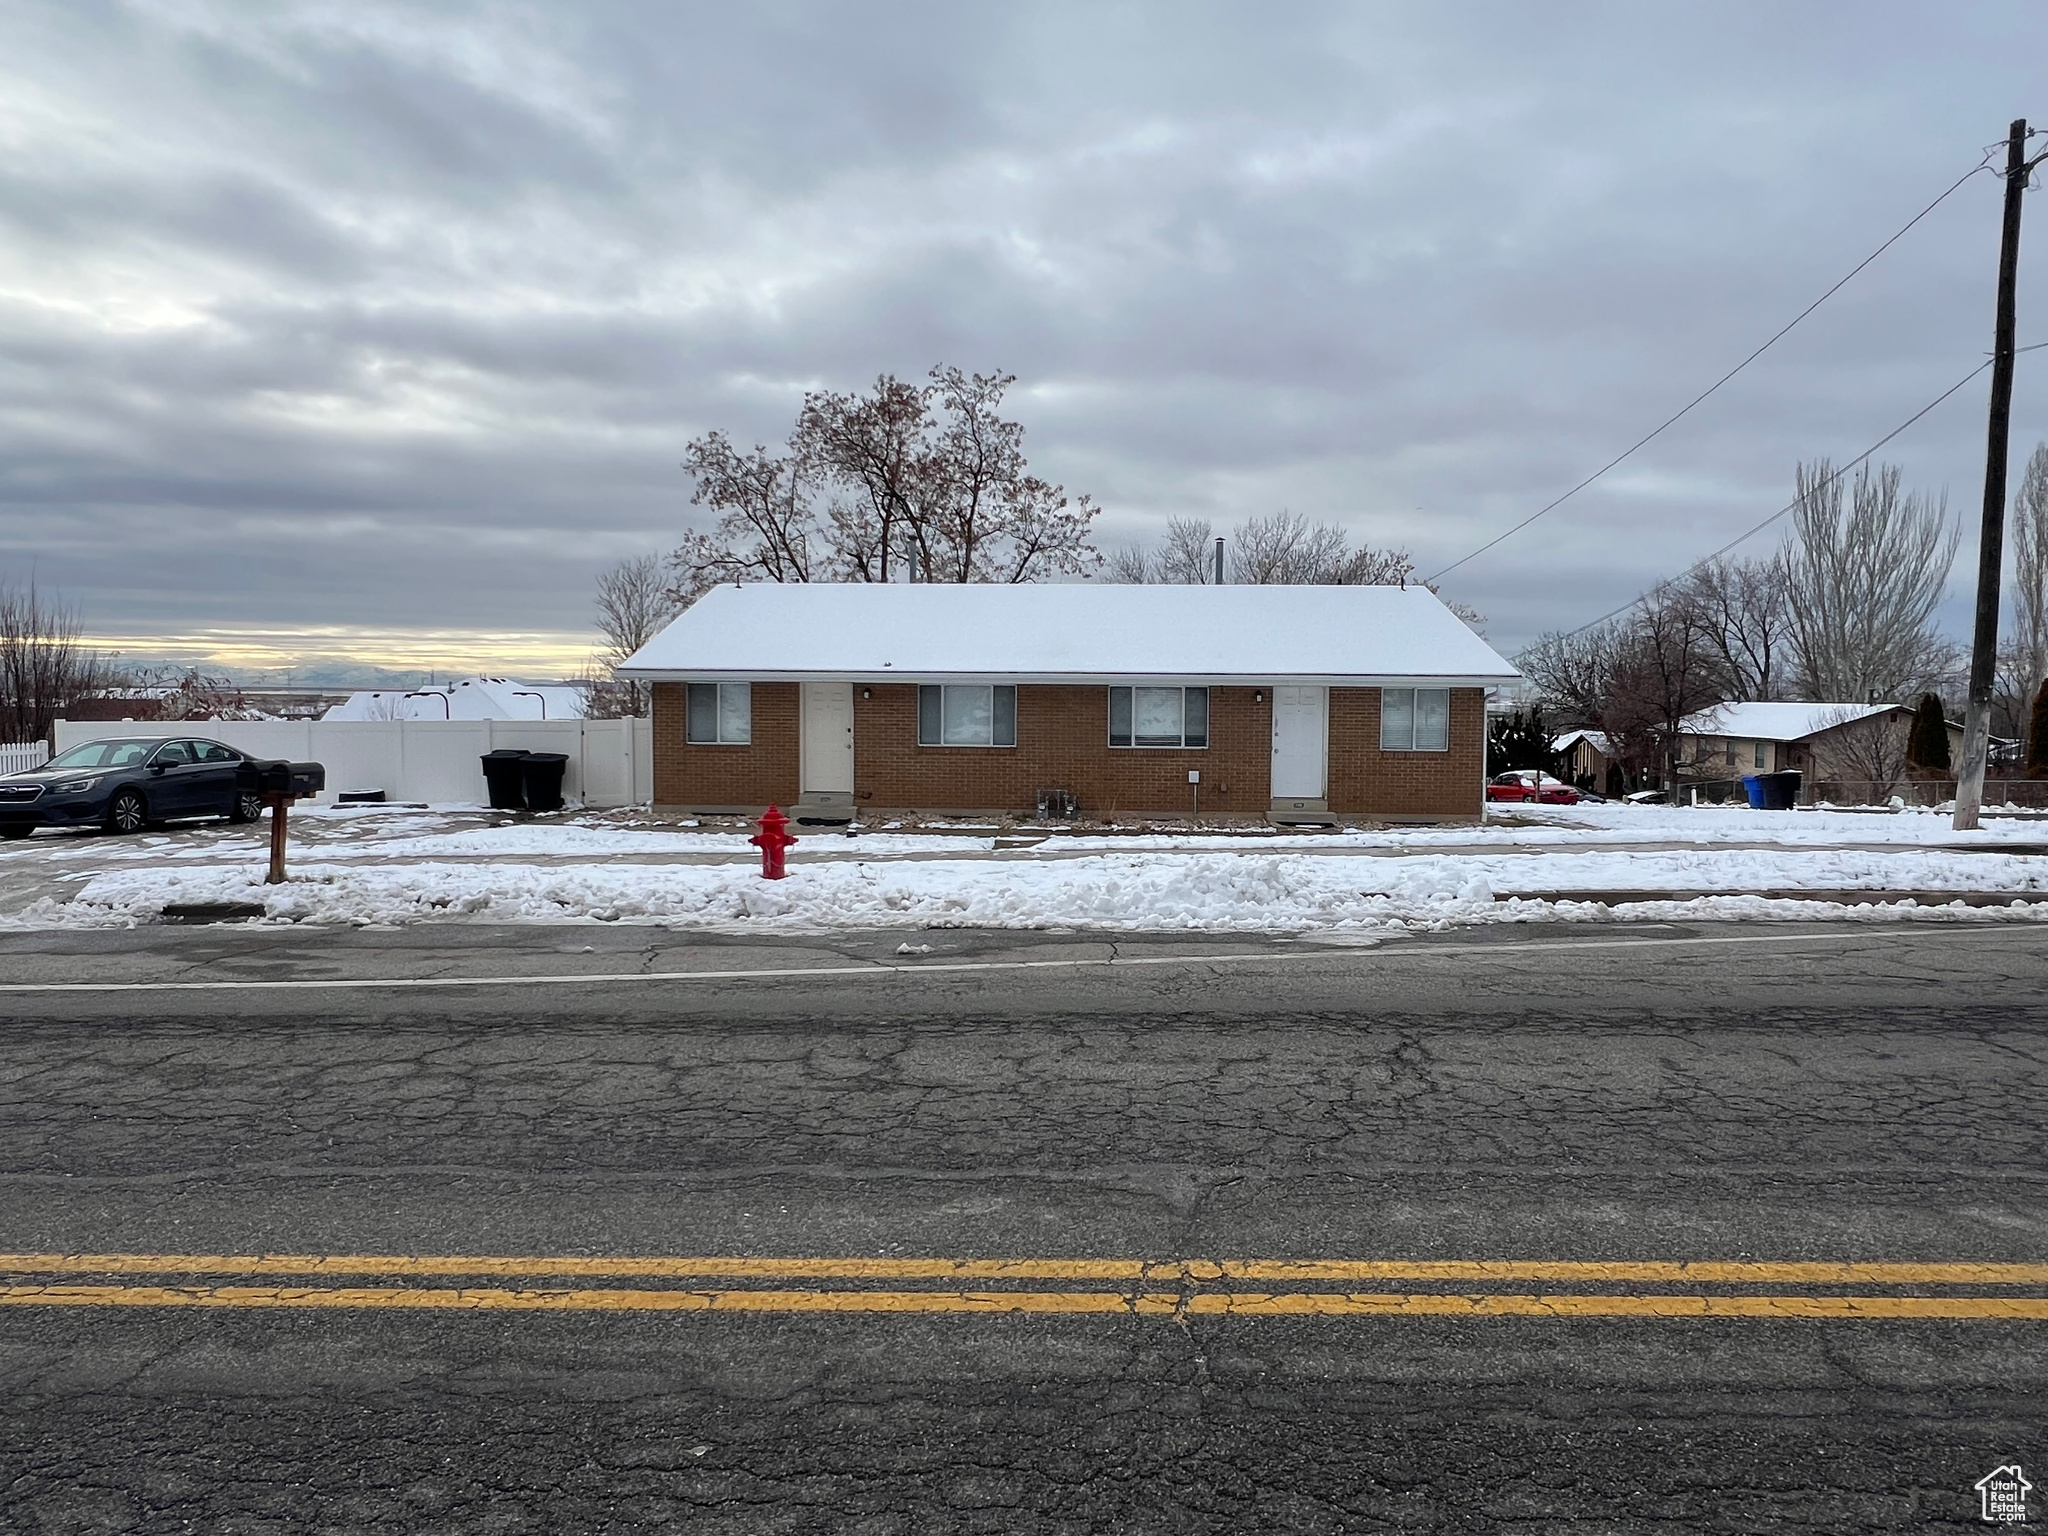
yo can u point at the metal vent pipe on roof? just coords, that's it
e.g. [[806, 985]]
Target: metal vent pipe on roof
[[1219, 562]]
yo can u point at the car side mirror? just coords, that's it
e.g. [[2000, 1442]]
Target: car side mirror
[[158, 767]]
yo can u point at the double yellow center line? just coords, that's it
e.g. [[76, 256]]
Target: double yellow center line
[[1177, 1288]]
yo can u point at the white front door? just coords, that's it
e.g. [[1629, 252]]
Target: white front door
[[828, 738], [1301, 739]]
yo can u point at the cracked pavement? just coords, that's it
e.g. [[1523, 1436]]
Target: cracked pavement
[[1865, 1095]]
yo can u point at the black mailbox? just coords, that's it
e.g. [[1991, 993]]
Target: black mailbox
[[274, 776]]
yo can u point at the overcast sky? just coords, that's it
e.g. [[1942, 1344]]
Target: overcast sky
[[345, 323]]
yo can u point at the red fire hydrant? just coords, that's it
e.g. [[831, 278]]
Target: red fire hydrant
[[774, 837]]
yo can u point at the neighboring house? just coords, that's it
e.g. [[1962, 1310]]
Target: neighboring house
[[1299, 703], [469, 698], [1858, 749], [1583, 758]]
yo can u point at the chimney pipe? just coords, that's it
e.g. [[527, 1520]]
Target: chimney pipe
[[1219, 562]]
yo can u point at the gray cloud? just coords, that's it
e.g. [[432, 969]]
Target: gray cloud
[[399, 316]]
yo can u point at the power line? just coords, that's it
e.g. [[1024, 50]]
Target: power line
[[1782, 511], [1673, 419]]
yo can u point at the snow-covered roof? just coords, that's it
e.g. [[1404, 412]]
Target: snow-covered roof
[[1776, 722], [468, 698], [1571, 739], [1071, 632]]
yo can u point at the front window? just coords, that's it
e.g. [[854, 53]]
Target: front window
[[721, 714], [1415, 719], [966, 715], [1159, 717], [1760, 754], [173, 752]]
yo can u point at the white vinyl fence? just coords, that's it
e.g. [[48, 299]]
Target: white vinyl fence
[[21, 756], [611, 762]]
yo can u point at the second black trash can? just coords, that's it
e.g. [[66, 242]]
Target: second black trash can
[[502, 775], [542, 774]]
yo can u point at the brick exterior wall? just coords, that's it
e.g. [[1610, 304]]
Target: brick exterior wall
[[699, 774], [1063, 743], [1364, 781]]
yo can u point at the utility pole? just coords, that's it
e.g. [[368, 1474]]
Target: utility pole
[[1991, 532]]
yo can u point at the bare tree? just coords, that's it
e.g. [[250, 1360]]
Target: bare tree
[[901, 482], [634, 603], [985, 516], [1572, 673], [1287, 549], [1129, 566], [1665, 667], [43, 666], [1186, 557], [1284, 549], [1635, 678], [1863, 585], [766, 527], [1188, 552], [1863, 755], [870, 448], [2029, 645], [1748, 622]]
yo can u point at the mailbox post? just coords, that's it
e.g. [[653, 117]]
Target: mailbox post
[[279, 804], [280, 783]]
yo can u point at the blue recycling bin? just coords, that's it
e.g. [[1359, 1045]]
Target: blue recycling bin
[[1753, 786]]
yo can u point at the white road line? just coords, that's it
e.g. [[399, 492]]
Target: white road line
[[886, 968]]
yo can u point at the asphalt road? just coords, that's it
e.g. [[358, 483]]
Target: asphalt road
[[1607, 1098]]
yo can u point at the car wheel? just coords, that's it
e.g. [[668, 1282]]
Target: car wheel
[[248, 807], [128, 812], [14, 831]]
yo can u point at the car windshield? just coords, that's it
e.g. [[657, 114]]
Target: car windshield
[[103, 754]]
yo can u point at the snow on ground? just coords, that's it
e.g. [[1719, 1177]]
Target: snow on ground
[[466, 831], [1615, 821], [403, 865], [1148, 890]]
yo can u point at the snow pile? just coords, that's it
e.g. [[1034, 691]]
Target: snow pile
[[1156, 891]]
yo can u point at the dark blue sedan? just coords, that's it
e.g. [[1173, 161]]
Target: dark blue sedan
[[128, 782]]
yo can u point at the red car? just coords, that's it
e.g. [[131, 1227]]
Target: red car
[[1526, 784]]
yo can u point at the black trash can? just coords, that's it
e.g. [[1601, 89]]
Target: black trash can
[[502, 774], [542, 774], [1780, 790]]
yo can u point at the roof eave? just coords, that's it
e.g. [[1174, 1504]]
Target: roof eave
[[1183, 679]]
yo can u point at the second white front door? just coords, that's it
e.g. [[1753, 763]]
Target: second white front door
[[1301, 737], [828, 738]]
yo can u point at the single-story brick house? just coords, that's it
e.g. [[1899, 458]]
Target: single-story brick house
[[1298, 703]]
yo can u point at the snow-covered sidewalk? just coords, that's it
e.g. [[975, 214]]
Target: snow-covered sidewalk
[[395, 866]]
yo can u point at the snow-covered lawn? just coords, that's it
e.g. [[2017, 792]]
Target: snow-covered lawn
[[1154, 889], [403, 867]]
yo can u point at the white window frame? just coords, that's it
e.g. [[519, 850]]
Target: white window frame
[[996, 693], [1392, 740], [719, 715], [1132, 744]]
